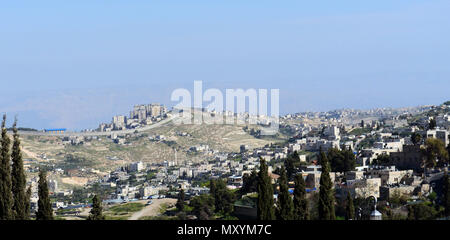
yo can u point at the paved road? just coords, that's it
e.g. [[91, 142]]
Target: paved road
[[120, 132]]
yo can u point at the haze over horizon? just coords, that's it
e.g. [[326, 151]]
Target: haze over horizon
[[74, 65]]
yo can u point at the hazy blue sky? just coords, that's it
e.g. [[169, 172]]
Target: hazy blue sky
[[75, 64]]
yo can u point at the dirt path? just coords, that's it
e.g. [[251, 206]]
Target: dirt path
[[152, 209], [31, 154], [79, 181]]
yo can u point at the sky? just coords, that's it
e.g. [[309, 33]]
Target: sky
[[76, 64]]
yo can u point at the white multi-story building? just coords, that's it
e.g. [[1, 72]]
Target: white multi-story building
[[332, 132], [53, 185], [119, 122]]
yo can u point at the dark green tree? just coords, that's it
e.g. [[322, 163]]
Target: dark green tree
[[448, 150], [223, 197], [416, 138], [96, 211], [28, 203], [265, 208], [432, 124], [212, 186], [382, 159], [336, 159], [79, 195], [421, 211], [350, 208], [435, 152], [446, 194], [326, 193], [6, 198], [410, 213], [300, 203], [45, 211], [341, 160], [289, 164], [180, 201], [249, 183], [285, 208], [18, 180], [349, 160], [203, 206]]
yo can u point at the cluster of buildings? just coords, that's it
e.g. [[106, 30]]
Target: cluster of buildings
[[141, 115], [54, 190], [380, 182], [400, 177], [141, 181]]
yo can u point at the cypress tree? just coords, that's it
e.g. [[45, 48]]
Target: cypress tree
[[265, 209], [326, 196], [432, 124], [250, 182], [45, 211], [446, 194], [416, 138], [18, 179], [300, 203], [212, 187], [448, 149], [28, 203], [286, 206], [350, 208], [180, 201], [411, 214], [96, 211], [289, 163], [6, 199]]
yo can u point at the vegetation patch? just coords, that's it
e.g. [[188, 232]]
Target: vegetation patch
[[126, 208]]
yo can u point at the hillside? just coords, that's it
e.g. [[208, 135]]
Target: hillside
[[103, 154]]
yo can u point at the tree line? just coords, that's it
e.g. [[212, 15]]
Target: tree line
[[14, 197], [285, 207], [220, 200], [293, 208]]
